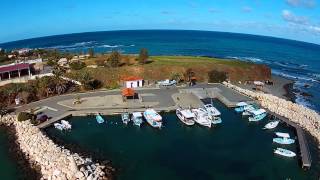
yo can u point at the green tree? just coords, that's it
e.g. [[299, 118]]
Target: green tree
[[114, 58], [143, 56], [217, 76], [176, 76], [91, 52]]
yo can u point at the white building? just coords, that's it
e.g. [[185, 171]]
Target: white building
[[133, 82], [63, 62]]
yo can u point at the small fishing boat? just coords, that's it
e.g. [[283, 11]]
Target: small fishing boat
[[247, 110], [240, 106], [58, 126], [153, 118], [137, 118], [214, 113], [257, 115], [284, 152], [125, 118], [185, 116], [202, 117], [99, 119], [283, 140], [66, 125], [271, 125], [283, 135]]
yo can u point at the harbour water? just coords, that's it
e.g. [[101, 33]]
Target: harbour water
[[8, 167], [236, 149], [295, 60]]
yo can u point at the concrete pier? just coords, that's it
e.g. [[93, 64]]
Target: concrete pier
[[303, 144]]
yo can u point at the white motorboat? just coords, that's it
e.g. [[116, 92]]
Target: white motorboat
[[247, 110], [125, 118], [283, 135], [240, 106], [153, 118], [214, 113], [257, 115], [58, 126], [284, 152], [271, 125], [66, 125], [283, 140], [202, 117], [137, 118], [186, 116]]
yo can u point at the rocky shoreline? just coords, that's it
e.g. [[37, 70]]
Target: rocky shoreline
[[48, 160], [306, 118]]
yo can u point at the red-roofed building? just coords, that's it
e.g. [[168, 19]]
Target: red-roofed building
[[132, 82], [14, 70]]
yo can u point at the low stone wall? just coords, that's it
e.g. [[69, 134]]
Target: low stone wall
[[55, 162], [303, 116]]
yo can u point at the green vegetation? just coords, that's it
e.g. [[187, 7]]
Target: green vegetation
[[143, 56], [77, 65], [114, 59], [192, 60], [24, 116], [217, 76]]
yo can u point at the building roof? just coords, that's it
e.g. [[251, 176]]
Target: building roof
[[13, 67], [127, 92], [132, 78]]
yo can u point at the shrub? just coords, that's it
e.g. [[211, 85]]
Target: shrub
[[143, 56], [217, 76], [23, 116], [77, 65]]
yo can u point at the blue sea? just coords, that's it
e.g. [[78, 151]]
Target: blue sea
[[295, 60]]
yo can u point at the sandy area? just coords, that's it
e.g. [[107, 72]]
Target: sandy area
[[277, 89]]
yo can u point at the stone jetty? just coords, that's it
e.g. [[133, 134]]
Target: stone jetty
[[54, 162], [306, 118]]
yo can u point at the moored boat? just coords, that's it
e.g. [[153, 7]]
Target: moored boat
[[58, 126], [284, 152], [214, 113], [283, 135], [185, 116], [257, 115], [99, 119], [283, 140], [271, 125], [153, 118], [137, 118], [240, 106], [247, 110], [66, 125], [202, 117], [125, 118]]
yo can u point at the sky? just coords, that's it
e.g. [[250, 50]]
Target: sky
[[291, 19]]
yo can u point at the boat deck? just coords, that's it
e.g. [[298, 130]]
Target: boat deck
[[303, 144]]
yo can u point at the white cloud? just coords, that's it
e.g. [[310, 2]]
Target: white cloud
[[302, 3], [290, 17], [300, 23]]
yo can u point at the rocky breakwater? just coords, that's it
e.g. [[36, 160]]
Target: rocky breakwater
[[54, 162], [303, 116]]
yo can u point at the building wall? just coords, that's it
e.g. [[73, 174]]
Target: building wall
[[134, 84]]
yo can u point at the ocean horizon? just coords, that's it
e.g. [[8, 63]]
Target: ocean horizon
[[295, 60]]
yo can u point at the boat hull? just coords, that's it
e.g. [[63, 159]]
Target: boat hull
[[284, 141]]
